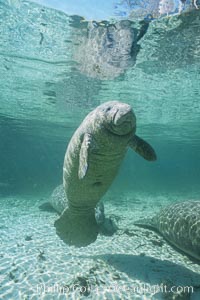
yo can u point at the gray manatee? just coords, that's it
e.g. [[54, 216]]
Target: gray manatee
[[92, 160], [179, 224]]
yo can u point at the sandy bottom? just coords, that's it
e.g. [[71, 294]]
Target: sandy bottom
[[135, 263]]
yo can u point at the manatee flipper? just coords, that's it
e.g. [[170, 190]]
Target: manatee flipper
[[83, 156], [77, 229], [142, 148]]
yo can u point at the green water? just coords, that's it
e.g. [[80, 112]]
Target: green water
[[54, 69]]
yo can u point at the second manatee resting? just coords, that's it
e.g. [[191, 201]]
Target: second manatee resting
[[179, 224], [92, 160]]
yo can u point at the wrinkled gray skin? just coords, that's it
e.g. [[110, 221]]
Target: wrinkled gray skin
[[180, 225], [59, 202], [92, 160]]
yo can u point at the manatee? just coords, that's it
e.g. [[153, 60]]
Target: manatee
[[179, 224], [92, 160], [59, 202]]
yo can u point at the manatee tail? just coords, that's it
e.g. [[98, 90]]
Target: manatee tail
[[77, 229], [148, 223]]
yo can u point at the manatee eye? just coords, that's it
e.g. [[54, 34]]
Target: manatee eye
[[109, 108]]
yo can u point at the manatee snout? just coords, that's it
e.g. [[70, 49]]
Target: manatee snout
[[123, 113], [121, 118], [124, 119]]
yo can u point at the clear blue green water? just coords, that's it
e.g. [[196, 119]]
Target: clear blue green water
[[55, 68], [46, 92]]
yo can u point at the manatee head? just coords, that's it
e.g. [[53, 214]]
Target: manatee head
[[119, 117]]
